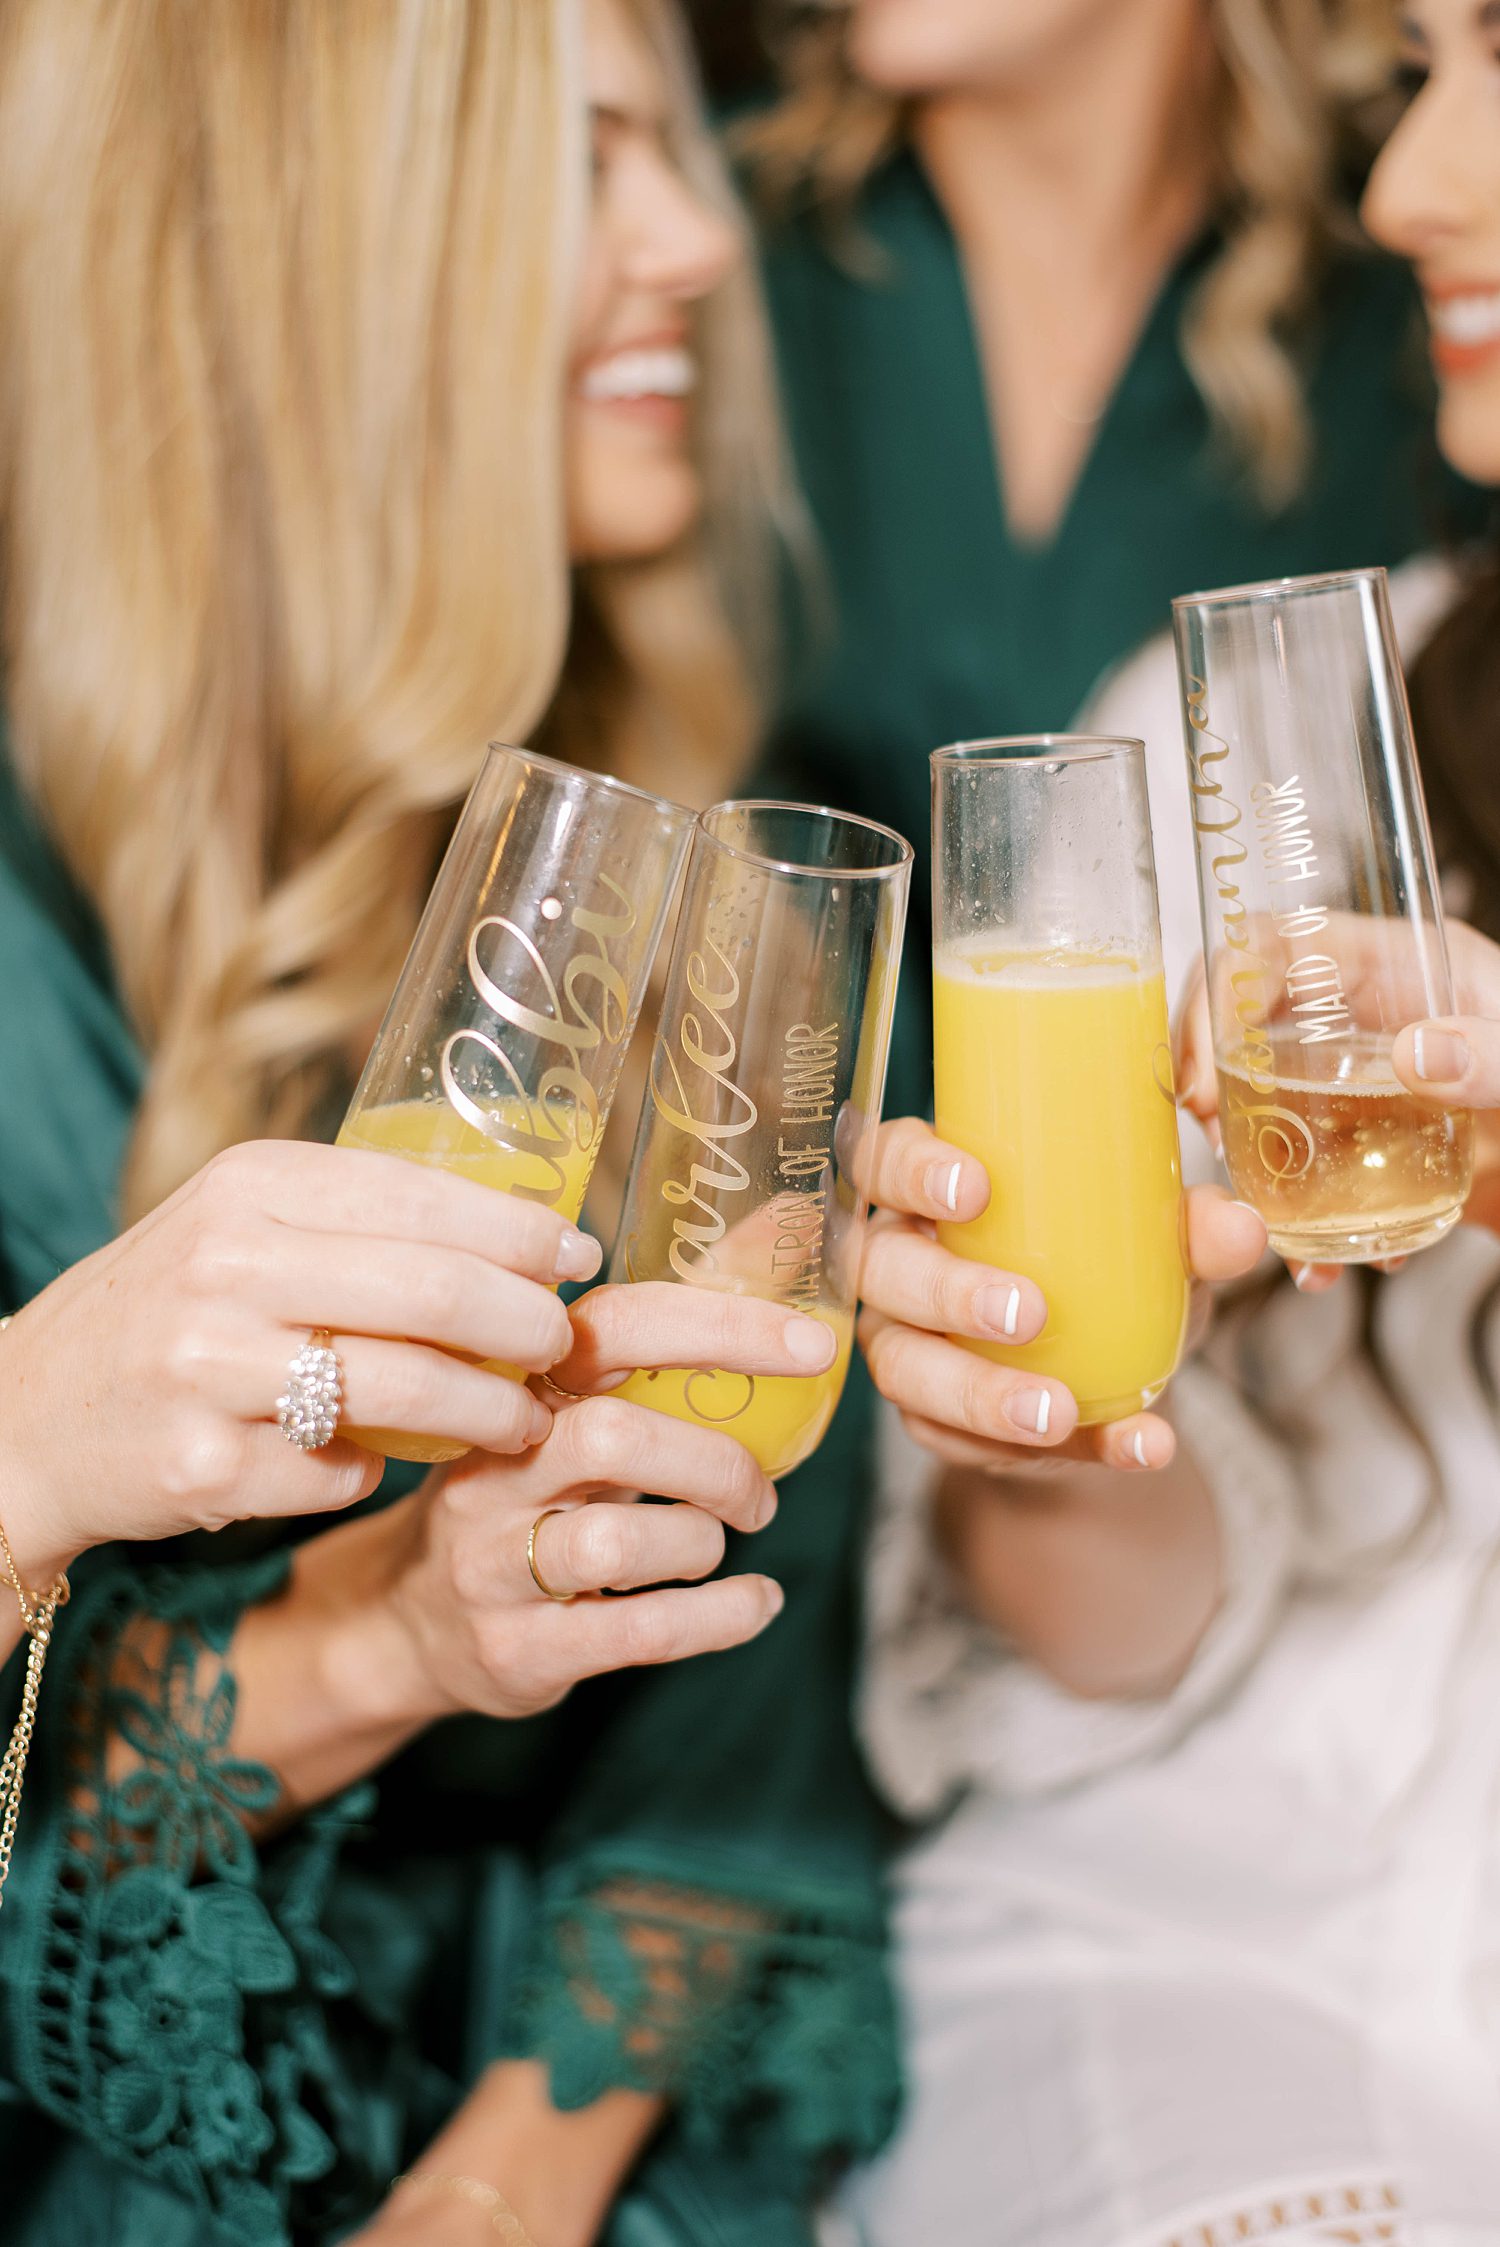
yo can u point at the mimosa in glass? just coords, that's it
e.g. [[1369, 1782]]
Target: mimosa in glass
[[765, 1088], [502, 1046], [1052, 1058]]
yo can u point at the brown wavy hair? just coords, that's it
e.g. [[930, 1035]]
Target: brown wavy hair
[[285, 291], [1290, 80]]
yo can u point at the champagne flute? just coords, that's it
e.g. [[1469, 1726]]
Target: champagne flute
[[766, 1080], [1052, 1057], [1321, 918], [502, 1046]]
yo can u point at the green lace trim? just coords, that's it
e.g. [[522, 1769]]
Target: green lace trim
[[755, 2020], [175, 2008]]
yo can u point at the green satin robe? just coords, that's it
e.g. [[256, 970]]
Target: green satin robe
[[203, 2039]]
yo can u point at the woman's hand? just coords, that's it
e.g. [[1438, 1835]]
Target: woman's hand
[[431, 1607], [560, 2172], [139, 1390], [967, 1409], [1453, 1061]]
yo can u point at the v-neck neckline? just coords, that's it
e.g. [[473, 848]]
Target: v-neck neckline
[[1153, 352]]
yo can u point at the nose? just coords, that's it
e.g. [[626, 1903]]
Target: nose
[[680, 246], [1422, 193]]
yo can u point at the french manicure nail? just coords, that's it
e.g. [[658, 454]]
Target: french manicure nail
[[809, 1344], [941, 1183], [1442, 1056], [1138, 1449], [1031, 1410], [578, 1256], [998, 1310]]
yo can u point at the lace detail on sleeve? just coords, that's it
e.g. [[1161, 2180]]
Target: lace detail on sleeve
[[171, 2008], [747, 2018], [946, 1704]]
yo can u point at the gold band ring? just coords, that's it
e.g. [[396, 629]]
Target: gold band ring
[[563, 1599], [573, 1396]]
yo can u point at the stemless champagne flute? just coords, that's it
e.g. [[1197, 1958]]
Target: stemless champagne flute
[[1321, 921], [1052, 1059], [502, 1046], [766, 1081]]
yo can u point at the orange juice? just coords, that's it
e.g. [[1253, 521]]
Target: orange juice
[[780, 1418], [430, 1131], [1055, 1069]]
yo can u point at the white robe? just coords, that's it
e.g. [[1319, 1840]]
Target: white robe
[[1223, 1968]]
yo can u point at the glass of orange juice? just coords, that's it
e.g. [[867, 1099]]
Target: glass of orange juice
[[1052, 1055], [765, 1086], [501, 1049]]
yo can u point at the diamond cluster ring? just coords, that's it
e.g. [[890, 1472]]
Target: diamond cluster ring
[[308, 1415]]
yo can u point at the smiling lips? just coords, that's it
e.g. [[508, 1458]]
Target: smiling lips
[[1465, 322]]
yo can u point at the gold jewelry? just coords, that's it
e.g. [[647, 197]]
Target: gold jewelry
[[502, 2216], [36, 1620], [563, 1599], [573, 1396]]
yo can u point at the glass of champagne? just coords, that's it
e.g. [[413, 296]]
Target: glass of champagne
[[502, 1046], [1322, 927], [765, 1087], [1052, 1057]]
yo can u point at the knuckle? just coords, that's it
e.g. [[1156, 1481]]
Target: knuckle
[[886, 1353], [981, 1400], [744, 1485], [215, 1258], [704, 1544], [434, 1295], [554, 1330], [645, 1633], [206, 1461], [598, 1546], [600, 1432], [469, 1572]]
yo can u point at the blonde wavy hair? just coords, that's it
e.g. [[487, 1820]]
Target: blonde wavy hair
[[1291, 80], [285, 292]]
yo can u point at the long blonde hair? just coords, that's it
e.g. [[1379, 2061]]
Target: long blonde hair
[[1288, 77], [284, 292]]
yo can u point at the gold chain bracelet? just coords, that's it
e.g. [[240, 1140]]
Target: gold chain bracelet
[[503, 2217], [36, 1620]]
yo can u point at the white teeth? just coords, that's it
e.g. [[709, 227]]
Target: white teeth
[[1467, 319], [642, 374]]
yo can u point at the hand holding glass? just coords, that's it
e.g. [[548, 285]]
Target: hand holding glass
[[765, 1089], [1322, 927], [502, 1046]]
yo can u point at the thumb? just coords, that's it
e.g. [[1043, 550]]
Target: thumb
[[1455, 1060]]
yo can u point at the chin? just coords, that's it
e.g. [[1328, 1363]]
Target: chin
[[894, 54], [636, 517], [1468, 429]]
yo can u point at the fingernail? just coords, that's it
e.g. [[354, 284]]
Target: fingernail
[[767, 1510], [1442, 1056], [1031, 1410], [998, 1310], [941, 1183], [578, 1256], [1250, 1206], [540, 1426], [775, 1599], [1138, 1449], [809, 1344]]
